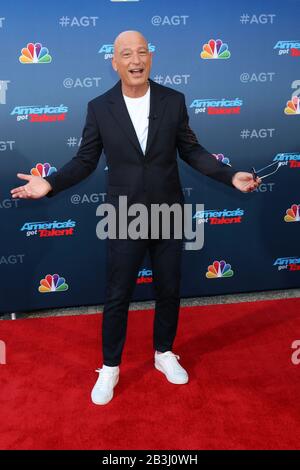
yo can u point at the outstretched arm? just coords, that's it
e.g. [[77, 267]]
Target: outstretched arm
[[199, 158], [81, 166]]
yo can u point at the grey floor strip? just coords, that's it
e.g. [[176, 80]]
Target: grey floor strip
[[212, 300]]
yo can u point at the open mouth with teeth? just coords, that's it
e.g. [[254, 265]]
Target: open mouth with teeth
[[137, 72]]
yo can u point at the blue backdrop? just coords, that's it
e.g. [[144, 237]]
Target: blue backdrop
[[237, 64]]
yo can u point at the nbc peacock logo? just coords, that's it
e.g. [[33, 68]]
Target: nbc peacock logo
[[43, 169], [35, 54], [215, 49], [219, 269], [293, 214], [53, 283], [293, 106], [222, 158]]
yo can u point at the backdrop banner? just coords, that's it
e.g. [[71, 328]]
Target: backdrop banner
[[238, 64]]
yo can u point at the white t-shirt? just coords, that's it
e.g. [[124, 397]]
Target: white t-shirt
[[138, 109]]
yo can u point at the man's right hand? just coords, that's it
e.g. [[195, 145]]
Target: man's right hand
[[36, 187]]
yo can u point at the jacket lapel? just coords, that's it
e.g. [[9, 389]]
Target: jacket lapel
[[120, 113], [157, 107]]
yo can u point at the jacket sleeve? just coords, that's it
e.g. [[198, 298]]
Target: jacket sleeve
[[197, 156], [84, 162]]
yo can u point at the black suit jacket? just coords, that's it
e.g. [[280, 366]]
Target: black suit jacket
[[149, 178]]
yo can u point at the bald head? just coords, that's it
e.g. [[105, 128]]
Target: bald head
[[128, 37], [132, 61]]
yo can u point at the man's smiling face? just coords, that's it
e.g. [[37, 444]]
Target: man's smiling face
[[132, 59]]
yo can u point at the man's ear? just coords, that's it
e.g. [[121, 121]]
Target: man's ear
[[114, 64]]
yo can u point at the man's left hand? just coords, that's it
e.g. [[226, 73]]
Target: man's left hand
[[245, 182]]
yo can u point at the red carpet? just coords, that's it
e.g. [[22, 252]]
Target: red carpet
[[244, 391]]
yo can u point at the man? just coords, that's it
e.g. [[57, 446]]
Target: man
[[140, 125]]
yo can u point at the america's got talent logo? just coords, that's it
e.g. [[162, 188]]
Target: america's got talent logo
[[219, 217], [144, 276], [40, 113], [288, 48], [292, 160], [217, 106]]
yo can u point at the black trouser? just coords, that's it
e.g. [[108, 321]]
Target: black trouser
[[124, 260]]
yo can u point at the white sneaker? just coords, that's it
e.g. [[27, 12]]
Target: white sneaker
[[168, 364], [103, 390]]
